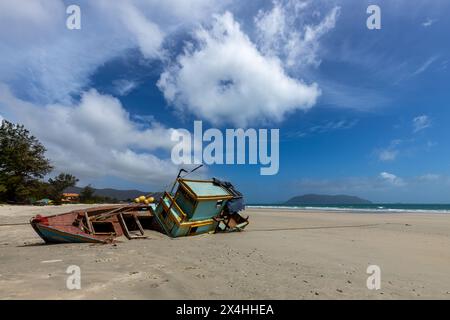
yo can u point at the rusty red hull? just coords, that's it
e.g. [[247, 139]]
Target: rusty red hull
[[96, 225]]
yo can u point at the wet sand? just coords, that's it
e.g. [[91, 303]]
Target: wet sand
[[283, 254]]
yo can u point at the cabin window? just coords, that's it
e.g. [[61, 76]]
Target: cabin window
[[219, 203], [193, 230], [103, 227], [186, 195]]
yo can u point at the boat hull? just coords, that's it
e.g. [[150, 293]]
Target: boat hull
[[54, 235], [88, 225]]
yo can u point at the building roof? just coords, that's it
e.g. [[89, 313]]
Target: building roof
[[71, 195]]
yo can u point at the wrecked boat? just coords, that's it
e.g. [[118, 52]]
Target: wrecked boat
[[197, 206], [94, 225]]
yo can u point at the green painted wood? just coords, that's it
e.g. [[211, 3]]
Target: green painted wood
[[204, 189]]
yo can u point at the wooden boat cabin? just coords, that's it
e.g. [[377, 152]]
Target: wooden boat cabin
[[193, 207]]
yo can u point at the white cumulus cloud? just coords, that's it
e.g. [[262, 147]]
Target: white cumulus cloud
[[148, 34], [41, 60], [96, 138], [222, 77]]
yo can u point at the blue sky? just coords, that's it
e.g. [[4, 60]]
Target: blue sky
[[361, 112]]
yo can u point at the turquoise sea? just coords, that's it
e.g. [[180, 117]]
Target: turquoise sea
[[365, 208]]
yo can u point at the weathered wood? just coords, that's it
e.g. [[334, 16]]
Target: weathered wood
[[138, 224], [88, 222], [127, 232], [106, 215]]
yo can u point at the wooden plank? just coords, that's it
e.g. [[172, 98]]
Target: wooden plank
[[108, 214], [88, 222], [124, 226], [138, 224], [127, 232]]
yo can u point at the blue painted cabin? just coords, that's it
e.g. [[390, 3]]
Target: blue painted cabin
[[193, 207]]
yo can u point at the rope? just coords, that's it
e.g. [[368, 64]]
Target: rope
[[14, 224], [322, 227]]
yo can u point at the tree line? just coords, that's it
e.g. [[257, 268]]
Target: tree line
[[23, 167]]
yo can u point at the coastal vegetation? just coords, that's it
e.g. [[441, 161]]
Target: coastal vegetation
[[23, 164], [23, 167]]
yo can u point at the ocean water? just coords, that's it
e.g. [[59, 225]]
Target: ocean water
[[365, 208]]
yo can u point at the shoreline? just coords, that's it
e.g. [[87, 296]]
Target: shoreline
[[348, 209], [280, 255]]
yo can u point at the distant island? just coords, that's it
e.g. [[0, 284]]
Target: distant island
[[320, 199]]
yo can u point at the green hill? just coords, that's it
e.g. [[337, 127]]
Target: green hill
[[320, 199]]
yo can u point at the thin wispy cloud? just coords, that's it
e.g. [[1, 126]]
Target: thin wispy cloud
[[431, 144], [339, 95], [407, 145], [324, 127], [428, 23], [420, 123], [388, 155], [123, 87], [429, 177], [424, 67], [392, 179], [285, 31], [391, 152], [333, 125]]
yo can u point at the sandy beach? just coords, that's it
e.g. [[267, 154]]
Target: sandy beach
[[283, 254]]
